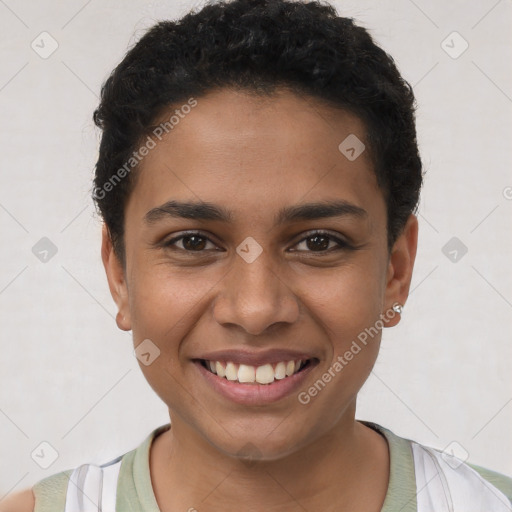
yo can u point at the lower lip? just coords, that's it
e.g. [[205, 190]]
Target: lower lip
[[255, 394]]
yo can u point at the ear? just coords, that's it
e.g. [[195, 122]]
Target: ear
[[116, 280], [400, 267]]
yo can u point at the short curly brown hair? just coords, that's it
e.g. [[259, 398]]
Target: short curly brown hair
[[258, 45]]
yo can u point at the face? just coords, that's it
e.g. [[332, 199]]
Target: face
[[262, 268]]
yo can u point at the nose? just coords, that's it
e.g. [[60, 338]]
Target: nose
[[254, 297]]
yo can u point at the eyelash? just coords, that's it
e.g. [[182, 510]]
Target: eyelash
[[341, 243]]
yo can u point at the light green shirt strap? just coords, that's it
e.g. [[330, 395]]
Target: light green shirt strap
[[401, 494], [135, 480], [134, 490], [50, 492]]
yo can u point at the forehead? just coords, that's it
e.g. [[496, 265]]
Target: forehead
[[255, 152]]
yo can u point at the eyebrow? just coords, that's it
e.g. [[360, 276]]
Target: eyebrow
[[208, 211]]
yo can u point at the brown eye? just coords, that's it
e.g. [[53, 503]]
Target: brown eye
[[190, 242], [317, 242], [320, 242], [194, 243]]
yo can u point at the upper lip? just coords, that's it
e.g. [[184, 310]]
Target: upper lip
[[240, 356]]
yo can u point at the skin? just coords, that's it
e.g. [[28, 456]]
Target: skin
[[23, 501], [254, 156]]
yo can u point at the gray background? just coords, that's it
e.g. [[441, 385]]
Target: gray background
[[68, 375]]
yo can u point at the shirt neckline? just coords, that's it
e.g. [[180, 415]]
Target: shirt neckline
[[400, 495]]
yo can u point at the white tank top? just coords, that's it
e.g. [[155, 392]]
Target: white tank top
[[93, 488]]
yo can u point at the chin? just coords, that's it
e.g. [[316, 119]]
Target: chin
[[257, 445]]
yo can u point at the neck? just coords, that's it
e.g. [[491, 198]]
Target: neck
[[348, 465]]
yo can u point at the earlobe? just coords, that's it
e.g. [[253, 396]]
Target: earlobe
[[399, 272], [116, 280]]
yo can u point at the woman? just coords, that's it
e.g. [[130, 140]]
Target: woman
[[258, 177]]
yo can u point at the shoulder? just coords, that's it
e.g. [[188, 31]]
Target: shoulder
[[499, 480], [456, 481], [23, 501], [437, 480]]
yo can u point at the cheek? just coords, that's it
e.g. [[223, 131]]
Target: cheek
[[347, 306], [346, 299], [347, 309], [164, 304]]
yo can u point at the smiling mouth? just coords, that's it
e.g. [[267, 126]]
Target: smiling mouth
[[264, 374]]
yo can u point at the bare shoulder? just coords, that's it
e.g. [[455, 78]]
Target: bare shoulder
[[22, 501]]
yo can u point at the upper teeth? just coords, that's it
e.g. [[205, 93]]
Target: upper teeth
[[261, 374]]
